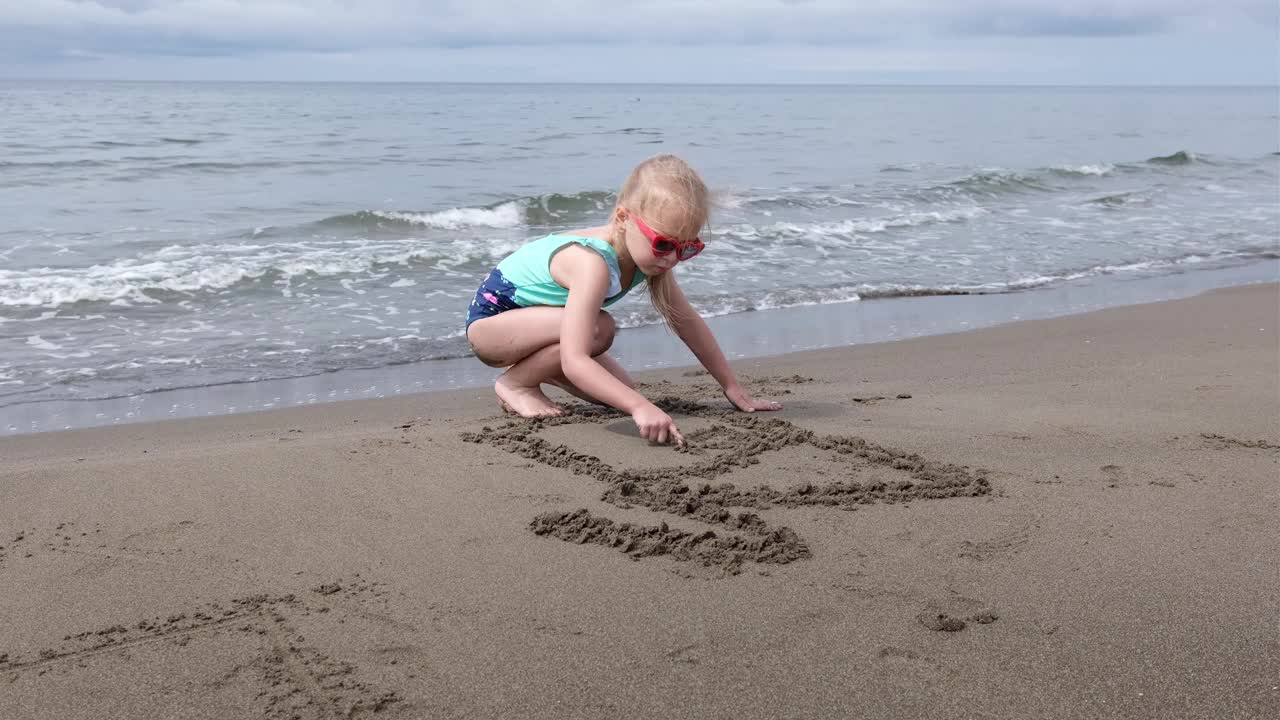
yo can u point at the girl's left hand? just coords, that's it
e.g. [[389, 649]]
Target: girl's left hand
[[746, 403]]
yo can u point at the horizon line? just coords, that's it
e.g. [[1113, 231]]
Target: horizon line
[[596, 83]]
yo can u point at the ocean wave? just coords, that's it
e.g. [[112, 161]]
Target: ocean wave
[[1182, 157], [554, 208], [156, 276], [53, 164], [558, 208], [718, 305], [533, 211], [1153, 266], [1128, 198], [729, 304], [1095, 170], [40, 343], [794, 198], [157, 141], [213, 166], [989, 180], [551, 210], [260, 260], [845, 228], [633, 131], [150, 375], [502, 216]]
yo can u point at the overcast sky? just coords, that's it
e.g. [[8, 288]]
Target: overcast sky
[[1122, 42]]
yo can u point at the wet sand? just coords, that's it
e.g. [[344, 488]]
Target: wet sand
[[1064, 518]]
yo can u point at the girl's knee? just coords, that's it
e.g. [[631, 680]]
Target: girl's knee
[[480, 354], [490, 361]]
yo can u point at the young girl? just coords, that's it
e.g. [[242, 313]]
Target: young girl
[[540, 312]]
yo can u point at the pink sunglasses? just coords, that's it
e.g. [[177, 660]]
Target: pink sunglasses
[[663, 245]]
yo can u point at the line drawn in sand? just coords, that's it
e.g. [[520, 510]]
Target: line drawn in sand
[[734, 441], [293, 678]]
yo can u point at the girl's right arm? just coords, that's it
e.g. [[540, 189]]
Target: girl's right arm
[[587, 278]]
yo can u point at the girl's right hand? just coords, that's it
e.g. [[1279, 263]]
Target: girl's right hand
[[656, 426]]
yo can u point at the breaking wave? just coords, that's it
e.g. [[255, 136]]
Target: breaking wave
[[534, 211]]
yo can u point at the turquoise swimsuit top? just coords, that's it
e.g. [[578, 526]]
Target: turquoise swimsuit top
[[528, 270]]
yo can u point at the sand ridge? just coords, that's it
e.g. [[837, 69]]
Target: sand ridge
[[1224, 441], [734, 441]]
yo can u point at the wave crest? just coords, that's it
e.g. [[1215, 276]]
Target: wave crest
[[1182, 157], [997, 180], [1095, 170], [845, 228], [502, 216], [533, 211]]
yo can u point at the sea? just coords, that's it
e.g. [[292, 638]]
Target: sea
[[170, 250]]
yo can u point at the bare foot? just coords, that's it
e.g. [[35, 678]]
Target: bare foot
[[527, 402]]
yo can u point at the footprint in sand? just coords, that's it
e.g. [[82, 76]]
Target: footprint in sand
[[890, 652], [1114, 475], [1007, 542], [955, 614]]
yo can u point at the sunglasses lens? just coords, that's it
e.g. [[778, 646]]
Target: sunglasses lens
[[689, 251], [663, 247]]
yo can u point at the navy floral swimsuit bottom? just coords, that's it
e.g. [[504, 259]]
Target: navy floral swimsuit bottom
[[495, 296]]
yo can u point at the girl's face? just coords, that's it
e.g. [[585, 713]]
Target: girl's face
[[670, 232]]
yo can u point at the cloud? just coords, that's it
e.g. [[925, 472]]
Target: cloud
[[1057, 22], [159, 25], [451, 23], [842, 34]]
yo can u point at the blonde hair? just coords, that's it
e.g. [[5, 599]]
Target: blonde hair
[[662, 182]]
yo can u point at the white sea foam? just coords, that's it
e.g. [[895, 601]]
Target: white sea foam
[[1219, 189], [877, 225], [712, 306], [789, 197], [203, 268], [1098, 169], [506, 215], [38, 342]]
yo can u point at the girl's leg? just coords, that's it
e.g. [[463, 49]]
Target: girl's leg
[[519, 389], [527, 342], [606, 360]]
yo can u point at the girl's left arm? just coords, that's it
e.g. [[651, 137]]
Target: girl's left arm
[[692, 329]]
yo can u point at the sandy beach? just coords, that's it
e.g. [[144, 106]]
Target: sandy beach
[[1063, 518]]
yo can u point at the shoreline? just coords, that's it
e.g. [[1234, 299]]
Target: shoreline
[[761, 334], [1065, 518]]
